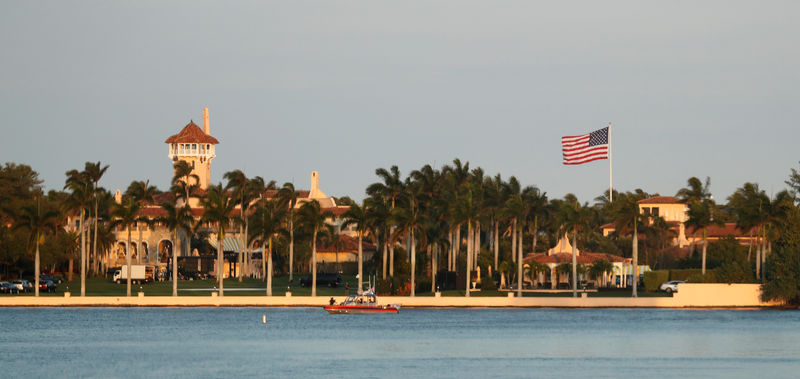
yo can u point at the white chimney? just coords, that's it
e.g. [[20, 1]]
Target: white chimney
[[206, 128]]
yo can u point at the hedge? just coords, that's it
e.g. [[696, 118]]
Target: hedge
[[653, 279], [684, 274]]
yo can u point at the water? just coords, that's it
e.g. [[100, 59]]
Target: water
[[454, 343]]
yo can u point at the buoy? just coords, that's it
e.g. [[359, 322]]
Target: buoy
[[264, 319]]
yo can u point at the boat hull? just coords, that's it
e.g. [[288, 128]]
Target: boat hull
[[360, 309]]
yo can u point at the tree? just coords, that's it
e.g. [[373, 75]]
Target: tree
[[359, 217], [409, 219], [94, 172], [600, 268], [218, 207], [312, 217], [701, 209], [126, 215], [782, 268], [288, 197], [628, 217], [182, 183], [78, 201], [266, 222], [391, 188], [177, 218], [37, 223], [142, 193], [238, 181], [573, 216]]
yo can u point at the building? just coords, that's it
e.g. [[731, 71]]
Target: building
[[154, 245]]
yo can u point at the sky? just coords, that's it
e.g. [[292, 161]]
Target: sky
[[706, 89]]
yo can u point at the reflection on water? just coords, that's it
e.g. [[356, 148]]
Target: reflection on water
[[228, 342]]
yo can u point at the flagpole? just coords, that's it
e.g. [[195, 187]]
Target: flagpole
[[610, 188]]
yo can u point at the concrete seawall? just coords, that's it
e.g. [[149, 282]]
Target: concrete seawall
[[690, 295]]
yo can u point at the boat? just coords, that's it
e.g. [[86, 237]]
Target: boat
[[363, 303]]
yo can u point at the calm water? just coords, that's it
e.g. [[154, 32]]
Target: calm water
[[299, 342]]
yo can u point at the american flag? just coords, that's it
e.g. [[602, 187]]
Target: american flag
[[585, 148]]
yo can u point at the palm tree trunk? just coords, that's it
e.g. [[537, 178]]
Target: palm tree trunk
[[575, 263], [175, 263], [520, 280], [434, 257], [128, 264], [413, 263], [36, 267], [514, 240], [241, 253], [759, 248], [705, 244], [96, 219], [496, 244], [385, 255], [314, 264], [291, 246], [83, 255], [457, 251], [220, 261], [476, 245], [71, 268], [268, 255], [360, 263], [391, 259], [635, 248], [469, 282]]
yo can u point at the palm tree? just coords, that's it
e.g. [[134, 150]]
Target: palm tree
[[749, 205], [358, 216], [409, 219], [38, 224], [288, 197], [177, 218], [266, 223], [126, 215], [466, 210], [238, 181], [627, 217], [94, 172], [312, 217], [182, 182], [600, 268], [79, 200], [391, 189], [573, 216], [701, 209], [142, 193], [218, 207]]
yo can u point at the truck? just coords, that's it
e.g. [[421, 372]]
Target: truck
[[139, 274]]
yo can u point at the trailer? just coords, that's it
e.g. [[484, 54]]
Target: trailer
[[139, 274]]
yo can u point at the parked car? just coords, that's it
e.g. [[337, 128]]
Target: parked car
[[47, 286], [23, 285], [56, 279], [671, 286], [6, 287], [323, 279]]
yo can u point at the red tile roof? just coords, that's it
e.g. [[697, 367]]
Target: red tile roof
[[191, 133], [660, 200], [718, 231]]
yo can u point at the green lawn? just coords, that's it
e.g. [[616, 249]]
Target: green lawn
[[280, 284]]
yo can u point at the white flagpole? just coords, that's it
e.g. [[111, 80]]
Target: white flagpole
[[610, 188]]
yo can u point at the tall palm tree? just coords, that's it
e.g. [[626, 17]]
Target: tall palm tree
[[78, 201], [288, 196], [466, 210], [391, 189], [238, 181], [126, 215], [701, 209], [749, 205], [266, 222], [177, 218], [38, 223], [627, 217], [142, 193], [573, 216], [600, 268], [313, 217], [94, 172], [359, 217], [409, 219], [378, 214], [218, 206]]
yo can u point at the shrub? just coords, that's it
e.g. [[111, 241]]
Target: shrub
[[488, 284], [423, 286], [683, 274], [709, 277], [654, 279], [383, 286]]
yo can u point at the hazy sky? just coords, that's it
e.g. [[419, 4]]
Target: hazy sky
[[344, 87]]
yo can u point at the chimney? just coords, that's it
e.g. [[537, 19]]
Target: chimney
[[206, 128], [314, 184]]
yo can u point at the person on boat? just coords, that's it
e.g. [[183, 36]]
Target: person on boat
[[332, 301]]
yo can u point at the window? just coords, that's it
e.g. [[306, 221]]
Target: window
[[646, 211], [655, 211]]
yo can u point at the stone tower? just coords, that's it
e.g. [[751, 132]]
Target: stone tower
[[196, 147]]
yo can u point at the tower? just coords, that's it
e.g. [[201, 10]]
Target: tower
[[195, 147]]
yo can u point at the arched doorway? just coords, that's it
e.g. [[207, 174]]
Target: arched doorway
[[145, 251], [165, 251]]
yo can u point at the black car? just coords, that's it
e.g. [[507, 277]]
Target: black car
[[323, 279], [47, 286], [6, 287], [56, 279]]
